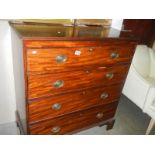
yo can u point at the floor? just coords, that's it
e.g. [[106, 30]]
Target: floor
[[129, 121]]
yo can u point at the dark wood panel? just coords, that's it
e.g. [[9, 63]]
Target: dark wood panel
[[59, 105], [142, 29], [74, 121], [46, 84], [53, 59]]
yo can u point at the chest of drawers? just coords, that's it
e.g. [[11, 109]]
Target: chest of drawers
[[72, 83]]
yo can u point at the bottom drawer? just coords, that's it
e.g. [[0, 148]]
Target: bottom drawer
[[75, 121]]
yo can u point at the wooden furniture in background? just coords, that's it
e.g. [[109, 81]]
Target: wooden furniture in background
[[143, 29], [73, 81]]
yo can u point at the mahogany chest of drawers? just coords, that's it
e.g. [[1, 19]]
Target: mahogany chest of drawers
[[73, 81]]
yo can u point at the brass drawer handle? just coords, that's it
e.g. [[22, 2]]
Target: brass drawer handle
[[58, 84], [99, 115], [104, 95], [56, 106], [61, 58], [55, 129], [109, 75], [114, 55]]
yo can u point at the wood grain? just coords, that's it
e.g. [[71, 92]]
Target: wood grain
[[42, 85], [44, 60], [74, 121], [49, 42], [75, 101], [84, 75]]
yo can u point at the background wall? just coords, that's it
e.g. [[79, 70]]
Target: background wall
[[117, 23], [7, 89], [11, 75]]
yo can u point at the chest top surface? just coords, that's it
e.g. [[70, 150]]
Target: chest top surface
[[31, 31]]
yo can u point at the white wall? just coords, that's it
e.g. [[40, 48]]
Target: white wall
[[117, 23], [7, 90], [11, 71], [18, 71]]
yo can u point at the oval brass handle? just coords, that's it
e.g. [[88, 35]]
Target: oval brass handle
[[114, 55], [56, 106], [61, 58], [55, 129], [109, 75], [104, 95], [58, 84], [99, 115]]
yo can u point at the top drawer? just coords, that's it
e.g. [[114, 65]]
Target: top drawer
[[66, 58]]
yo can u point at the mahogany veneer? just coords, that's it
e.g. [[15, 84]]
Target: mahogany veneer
[[44, 59], [75, 101], [73, 76], [42, 85], [75, 121]]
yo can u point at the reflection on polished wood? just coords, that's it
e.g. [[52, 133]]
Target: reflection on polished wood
[[44, 21], [33, 30], [104, 22], [67, 31]]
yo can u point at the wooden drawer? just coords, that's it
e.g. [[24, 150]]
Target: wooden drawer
[[75, 101], [60, 59], [78, 120], [51, 84]]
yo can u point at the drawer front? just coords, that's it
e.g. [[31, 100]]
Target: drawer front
[[63, 104], [74, 121], [51, 84], [60, 59]]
